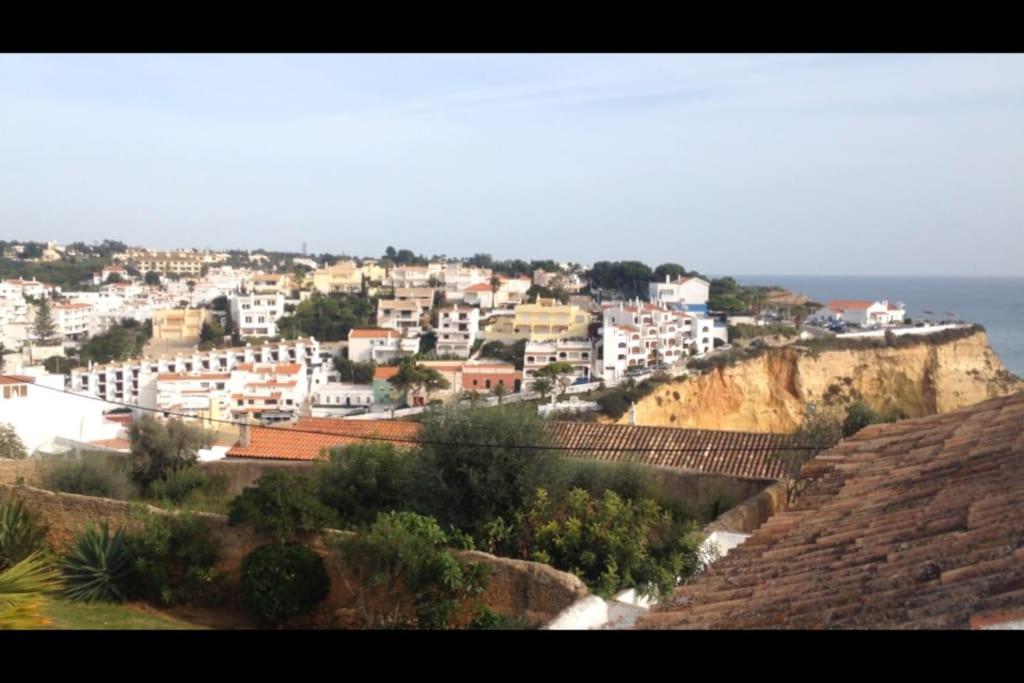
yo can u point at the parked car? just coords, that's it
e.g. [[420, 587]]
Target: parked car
[[637, 372]]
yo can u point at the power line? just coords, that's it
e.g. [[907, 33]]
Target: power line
[[424, 442]]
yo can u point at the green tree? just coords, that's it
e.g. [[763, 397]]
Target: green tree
[[860, 415], [328, 317], [44, 328], [152, 278], [355, 372], [406, 577], [560, 372], [819, 431], [500, 391], [11, 445], [543, 385], [363, 479], [114, 278], [159, 449], [415, 376], [673, 270], [281, 505]]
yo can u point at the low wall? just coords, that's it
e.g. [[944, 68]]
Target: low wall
[[242, 472], [12, 470], [746, 517], [705, 495], [530, 590]]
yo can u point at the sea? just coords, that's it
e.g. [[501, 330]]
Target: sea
[[997, 303]]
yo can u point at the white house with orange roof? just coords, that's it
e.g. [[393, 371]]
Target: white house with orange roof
[[268, 392], [682, 290], [380, 345], [457, 329]]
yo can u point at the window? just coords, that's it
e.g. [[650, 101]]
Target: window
[[487, 384]]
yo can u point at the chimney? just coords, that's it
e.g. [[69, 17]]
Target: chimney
[[244, 434], [667, 278]]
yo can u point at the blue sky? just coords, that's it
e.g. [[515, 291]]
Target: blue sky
[[802, 164]]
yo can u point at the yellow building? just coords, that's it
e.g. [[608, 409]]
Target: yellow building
[[270, 283], [344, 276], [541, 321], [181, 325]]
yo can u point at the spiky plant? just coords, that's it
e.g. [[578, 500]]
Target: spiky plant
[[20, 535], [98, 566], [21, 592]]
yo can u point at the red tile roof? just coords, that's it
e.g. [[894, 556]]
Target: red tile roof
[[385, 372], [479, 287], [853, 304], [17, 379], [284, 443], [918, 524], [372, 334], [115, 444]]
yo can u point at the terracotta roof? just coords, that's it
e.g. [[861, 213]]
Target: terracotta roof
[[183, 377], [856, 304], [894, 307], [116, 444], [268, 443], [284, 443], [739, 454], [385, 372], [17, 379], [372, 334], [480, 287], [918, 524]]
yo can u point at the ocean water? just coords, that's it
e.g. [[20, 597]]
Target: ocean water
[[995, 302]]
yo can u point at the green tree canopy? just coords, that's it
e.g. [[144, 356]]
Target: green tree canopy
[[159, 449]]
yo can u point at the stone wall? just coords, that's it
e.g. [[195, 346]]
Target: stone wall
[[531, 590], [11, 470], [746, 517], [704, 495]]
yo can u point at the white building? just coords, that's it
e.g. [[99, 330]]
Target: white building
[[256, 315], [270, 392], [457, 329], [863, 313], [404, 316], [72, 320], [42, 413], [336, 399], [579, 353], [683, 290], [380, 345], [643, 335]]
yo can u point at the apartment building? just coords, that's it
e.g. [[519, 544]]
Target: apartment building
[[183, 263], [255, 315], [270, 283], [135, 381], [344, 276], [579, 353], [182, 325], [270, 392], [457, 329], [414, 276], [546, 319], [27, 288], [457, 280], [380, 345], [404, 316], [462, 376], [72, 320]]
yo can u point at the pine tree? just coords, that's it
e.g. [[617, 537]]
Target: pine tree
[[44, 328]]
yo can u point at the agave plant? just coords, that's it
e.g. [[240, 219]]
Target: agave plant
[[98, 566], [21, 592], [20, 535]]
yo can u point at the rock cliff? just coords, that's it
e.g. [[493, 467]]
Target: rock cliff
[[769, 392]]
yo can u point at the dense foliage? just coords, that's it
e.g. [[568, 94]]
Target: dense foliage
[[361, 480], [98, 567], [120, 342], [44, 328], [513, 353], [22, 587], [92, 474], [173, 561], [190, 487], [69, 274], [859, 415], [281, 505], [415, 580], [283, 580], [328, 317], [416, 376], [630, 278], [616, 401]]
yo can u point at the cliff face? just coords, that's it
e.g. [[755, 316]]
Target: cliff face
[[768, 393]]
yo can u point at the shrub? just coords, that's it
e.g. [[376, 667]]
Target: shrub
[[492, 621], [612, 543], [173, 560], [98, 567], [819, 431], [11, 446], [20, 533], [280, 505], [363, 479], [415, 579], [92, 474], [283, 580], [628, 480], [181, 486], [860, 415]]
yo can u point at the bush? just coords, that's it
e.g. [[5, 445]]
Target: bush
[[11, 446], [99, 566], [612, 543], [281, 505], [280, 581], [860, 415], [415, 579], [93, 474], [181, 486], [363, 479], [20, 533], [173, 560], [492, 621], [628, 480]]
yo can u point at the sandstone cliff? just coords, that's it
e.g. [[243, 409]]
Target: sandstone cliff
[[769, 392]]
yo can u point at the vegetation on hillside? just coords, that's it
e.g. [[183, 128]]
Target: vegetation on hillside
[[328, 317]]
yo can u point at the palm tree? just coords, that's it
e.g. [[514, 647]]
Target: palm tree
[[543, 385], [21, 592], [500, 390]]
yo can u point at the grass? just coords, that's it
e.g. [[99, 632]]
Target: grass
[[77, 616]]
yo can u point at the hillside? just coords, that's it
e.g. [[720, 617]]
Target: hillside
[[768, 392]]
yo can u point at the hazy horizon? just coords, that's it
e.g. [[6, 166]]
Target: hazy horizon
[[873, 165]]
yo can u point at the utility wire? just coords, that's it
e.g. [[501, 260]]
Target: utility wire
[[424, 442]]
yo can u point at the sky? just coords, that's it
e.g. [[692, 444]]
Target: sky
[[791, 164]]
